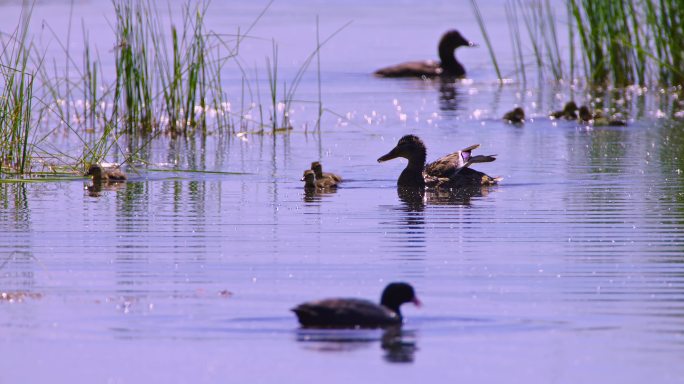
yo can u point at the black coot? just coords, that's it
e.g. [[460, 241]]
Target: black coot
[[357, 313]]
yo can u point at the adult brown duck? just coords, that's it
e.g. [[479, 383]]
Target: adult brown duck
[[101, 174], [357, 313], [317, 167], [450, 171], [447, 67]]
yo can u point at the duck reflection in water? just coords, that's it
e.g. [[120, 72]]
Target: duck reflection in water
[[449, 95], [415, 199], [95, 189], [398, 345]]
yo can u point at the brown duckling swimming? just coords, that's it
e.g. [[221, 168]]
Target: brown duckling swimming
[[311, 183], [357, 313], [569, 112], [317, 167], [447, 67], [516, 116], [450, 171], [597, 119], [100, 174]]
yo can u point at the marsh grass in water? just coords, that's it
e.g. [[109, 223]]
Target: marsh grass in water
[[16, 100], [621, 43], [166, 80]]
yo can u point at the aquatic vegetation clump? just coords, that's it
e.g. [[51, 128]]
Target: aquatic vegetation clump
[[631, 42], [16, 100], [621, 43]]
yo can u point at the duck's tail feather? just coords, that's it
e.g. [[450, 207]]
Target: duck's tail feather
[[481, 159], [474, 146]]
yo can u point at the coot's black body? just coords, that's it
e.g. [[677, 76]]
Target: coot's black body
[[357, 313]]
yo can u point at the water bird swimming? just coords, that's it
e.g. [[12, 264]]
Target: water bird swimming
[[311, 183], [450, 171], [317, 167], [597, 119], [101, 174], [447, 67], [569, 112], [357, 313], [516, 116]]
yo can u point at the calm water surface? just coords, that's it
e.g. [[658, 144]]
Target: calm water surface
[[570, 271]]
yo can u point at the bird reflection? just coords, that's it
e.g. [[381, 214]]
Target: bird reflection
[[398, 345], [415, 199], [312, 195], [95, 189], [448, 95]]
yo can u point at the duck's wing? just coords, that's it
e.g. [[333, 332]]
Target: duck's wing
[[344, 313], [115, 175], [451, 164], [411, 69], [446, 166]]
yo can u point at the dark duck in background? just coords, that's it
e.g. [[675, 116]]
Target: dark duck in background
[[447, 67], [357, 313]]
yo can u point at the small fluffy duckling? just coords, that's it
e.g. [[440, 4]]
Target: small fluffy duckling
[[569, 112], [585, 115], [317, 167], [100, 174], [516, 116], [310, 181], [597, 119]]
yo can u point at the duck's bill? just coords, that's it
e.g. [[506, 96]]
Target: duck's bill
[[416, 302], [473, 45], [393, 154]]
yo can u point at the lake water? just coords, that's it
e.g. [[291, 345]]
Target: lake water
[[570, 271]]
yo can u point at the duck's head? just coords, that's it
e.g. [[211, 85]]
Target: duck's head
[[396, 294], [95, 170], [317, 168], [409, 147], [453, 39], [309, 178]]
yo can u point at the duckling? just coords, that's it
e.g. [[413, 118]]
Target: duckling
[[597, 119], [100, 174], [317, 167], [450, 171], [310, 182], [568, 112], [516, 116], [585, 115]]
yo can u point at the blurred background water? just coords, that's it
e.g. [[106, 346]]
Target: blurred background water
[[569, 271]]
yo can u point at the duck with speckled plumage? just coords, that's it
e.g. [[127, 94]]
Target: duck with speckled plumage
[[450, 171]]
